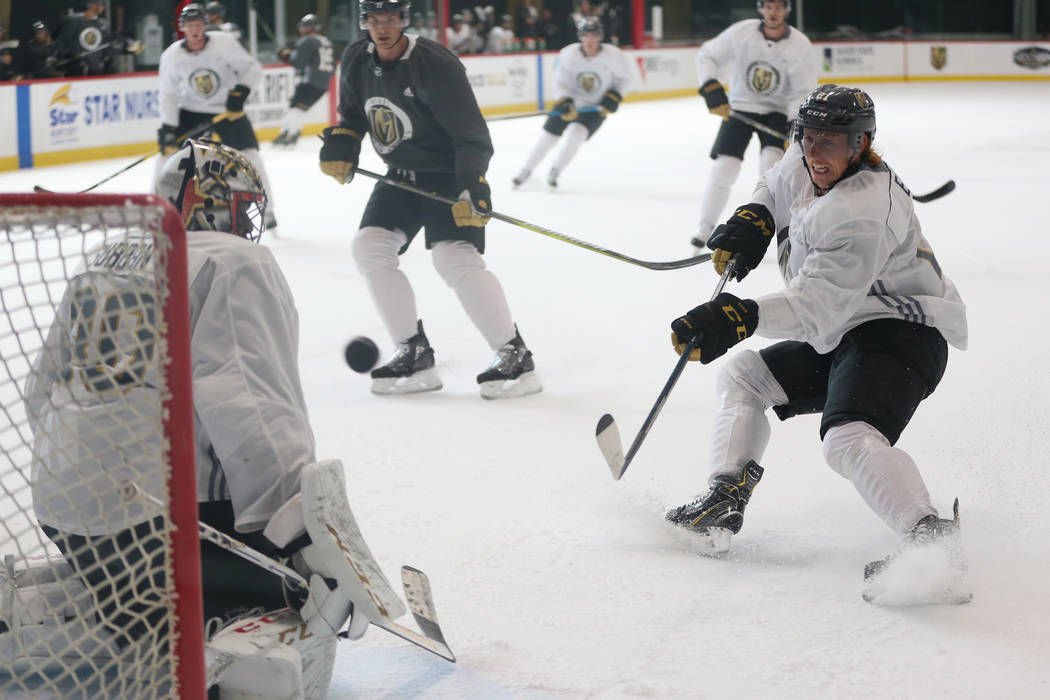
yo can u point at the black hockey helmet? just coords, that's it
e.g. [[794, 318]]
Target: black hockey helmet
[[785, 3], [837, 108], [39, 26], [367, 7], [310, 20], [193, 11], [590, 25], [216, 8]]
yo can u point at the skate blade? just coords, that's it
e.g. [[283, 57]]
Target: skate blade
[[426, 380], [712, 541], [524, 385], [916, 577]]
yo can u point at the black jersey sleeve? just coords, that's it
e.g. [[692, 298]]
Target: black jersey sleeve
[[304, 55], [446, 92], [351, 106]]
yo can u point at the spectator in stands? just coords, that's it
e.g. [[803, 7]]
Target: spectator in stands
[[8, 68], [460, 35], [549, 32], [528, 21], [501, 38], [37, 58]]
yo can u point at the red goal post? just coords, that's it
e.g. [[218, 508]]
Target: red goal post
[[111, 348]]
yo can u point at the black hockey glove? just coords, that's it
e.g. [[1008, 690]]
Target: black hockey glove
[[235, 99], [475, 202], [340, 152], [167, 139], [610, 102], [748, 232], [714, 95], [715, 327], [566, 109], [284, 55]]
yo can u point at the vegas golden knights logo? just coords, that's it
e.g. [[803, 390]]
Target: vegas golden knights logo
[[588, 82], [862, 100], [761, 79], [938, 56], [386, 129], [205, 82]]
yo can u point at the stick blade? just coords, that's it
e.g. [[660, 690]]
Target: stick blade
[[608, 436], [936, 194]]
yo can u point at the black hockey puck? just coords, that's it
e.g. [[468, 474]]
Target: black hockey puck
[[361, 354]]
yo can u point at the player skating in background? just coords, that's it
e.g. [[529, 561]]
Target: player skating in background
[[771, 68], [313, 62], [866, 312], [94, 416], [412, 97], [216, 13], [590, 80], [201, 76]]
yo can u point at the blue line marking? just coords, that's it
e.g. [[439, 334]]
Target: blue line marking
[[25, 131], [539, 79]]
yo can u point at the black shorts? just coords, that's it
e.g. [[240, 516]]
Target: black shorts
[[590, 120], [235, 134], [734, 136], [878, 374], [394, 208], [306, 95]]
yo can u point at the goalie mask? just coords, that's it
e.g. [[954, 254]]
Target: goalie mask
[[215, 188]]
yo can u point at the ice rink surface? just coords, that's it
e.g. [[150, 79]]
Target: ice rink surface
[[553, 581]]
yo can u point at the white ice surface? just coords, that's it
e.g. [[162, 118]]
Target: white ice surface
[[551, 580]]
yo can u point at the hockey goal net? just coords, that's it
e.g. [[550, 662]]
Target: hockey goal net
[[100, 579]]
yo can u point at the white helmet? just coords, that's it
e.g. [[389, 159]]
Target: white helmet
[[215, 188]]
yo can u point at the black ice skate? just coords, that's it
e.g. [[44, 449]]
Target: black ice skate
[[409, 370], [928, 568], [719, 514], [512, 373], [552, 178], [281, 140], [521, 177]]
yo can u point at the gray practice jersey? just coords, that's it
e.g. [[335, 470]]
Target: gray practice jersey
[[198, 81], [252, 431], [313, 60], [419, 110], [763, 75], [852, 255]]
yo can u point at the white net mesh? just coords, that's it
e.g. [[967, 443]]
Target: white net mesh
[[87, 591]]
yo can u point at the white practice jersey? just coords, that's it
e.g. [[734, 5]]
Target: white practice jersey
[[252, 430], [764, 76], [853, 255], [198, 81], [587, 78]]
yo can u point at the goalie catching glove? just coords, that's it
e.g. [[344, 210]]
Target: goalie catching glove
[[343, 576], [747, 232], [340, 153], [714, 95], [475, 202], [714, 327]]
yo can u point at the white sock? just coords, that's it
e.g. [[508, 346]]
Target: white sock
[[479, 291], [723, 175], [293, 121], [573, 138], [542, 147], [375, 253]]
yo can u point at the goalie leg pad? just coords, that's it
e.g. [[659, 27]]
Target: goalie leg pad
[[271, 656], [339, 551]]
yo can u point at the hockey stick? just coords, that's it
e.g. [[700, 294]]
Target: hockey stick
[[504, 117], [195, 131], [928, 197], [670, 265], [415, 582], [608, 435]]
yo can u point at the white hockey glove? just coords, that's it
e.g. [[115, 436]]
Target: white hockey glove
[[342, 574]]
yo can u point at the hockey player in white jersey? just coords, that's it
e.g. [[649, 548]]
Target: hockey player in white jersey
[[201, 76], [867, 313], [771, 67], [590, 80], [255, 447]]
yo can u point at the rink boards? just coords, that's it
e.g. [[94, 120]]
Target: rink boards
[[56, 121]]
